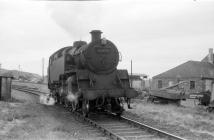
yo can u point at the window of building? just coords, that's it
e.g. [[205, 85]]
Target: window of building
[[160, 84], [192, 84]]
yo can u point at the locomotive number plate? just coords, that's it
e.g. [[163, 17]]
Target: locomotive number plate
[[103, 50]]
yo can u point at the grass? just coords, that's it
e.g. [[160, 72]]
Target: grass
[[196, 120], [10, 117]]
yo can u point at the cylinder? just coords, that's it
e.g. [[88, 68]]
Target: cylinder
[[95, 35]]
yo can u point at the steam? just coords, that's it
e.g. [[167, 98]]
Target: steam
[[76, 18], [46, 100], [72, 97]]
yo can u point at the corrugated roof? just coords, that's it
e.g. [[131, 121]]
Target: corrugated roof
[[190, 69]]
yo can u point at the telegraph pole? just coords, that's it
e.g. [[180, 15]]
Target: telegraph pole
[[0, 68], [43, 63], [19, 71], [131, 73]]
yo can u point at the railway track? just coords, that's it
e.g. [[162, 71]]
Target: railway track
[[118, 128], [122, 128], [28, 90]]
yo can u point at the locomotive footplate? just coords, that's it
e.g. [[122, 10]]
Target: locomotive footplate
[[116, 93]]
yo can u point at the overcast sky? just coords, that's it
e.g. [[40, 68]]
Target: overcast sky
[[156, 34]]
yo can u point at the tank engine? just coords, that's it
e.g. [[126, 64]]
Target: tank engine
[[85, 76]]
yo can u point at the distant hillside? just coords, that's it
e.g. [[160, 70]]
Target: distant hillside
[[25, 76]]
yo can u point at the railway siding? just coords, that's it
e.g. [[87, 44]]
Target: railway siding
[[147, 117], [117, 128]]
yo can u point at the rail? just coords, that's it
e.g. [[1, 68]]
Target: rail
[[154, 130]]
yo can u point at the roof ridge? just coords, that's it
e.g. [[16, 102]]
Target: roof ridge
[[189, 69]]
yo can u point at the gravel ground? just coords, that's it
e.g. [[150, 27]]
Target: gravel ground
[[190, 123], [28, 120]]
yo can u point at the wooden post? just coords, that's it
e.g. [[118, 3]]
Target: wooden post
[[43, 63], [5, 87], [212, 93], [131, 74]]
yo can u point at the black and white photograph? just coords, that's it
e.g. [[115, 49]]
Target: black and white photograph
[[106, 69]]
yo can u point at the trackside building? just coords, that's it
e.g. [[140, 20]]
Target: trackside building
[[198, 74]]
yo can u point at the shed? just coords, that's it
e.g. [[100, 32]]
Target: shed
[[199, 74], [5, 87], [192, 71], [137, 81]]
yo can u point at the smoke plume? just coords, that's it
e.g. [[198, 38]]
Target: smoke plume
[[76, 18]]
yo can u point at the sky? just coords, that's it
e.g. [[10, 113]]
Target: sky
[[156, 35]]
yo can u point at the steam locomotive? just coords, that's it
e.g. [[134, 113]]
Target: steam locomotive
[[85, 76]]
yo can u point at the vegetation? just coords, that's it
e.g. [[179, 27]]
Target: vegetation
[[184, 121], [21, 75]]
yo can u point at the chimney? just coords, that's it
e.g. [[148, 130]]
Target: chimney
[[210, 55], [95, 35]]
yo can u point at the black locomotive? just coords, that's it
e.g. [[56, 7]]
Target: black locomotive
[[85, 76]]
